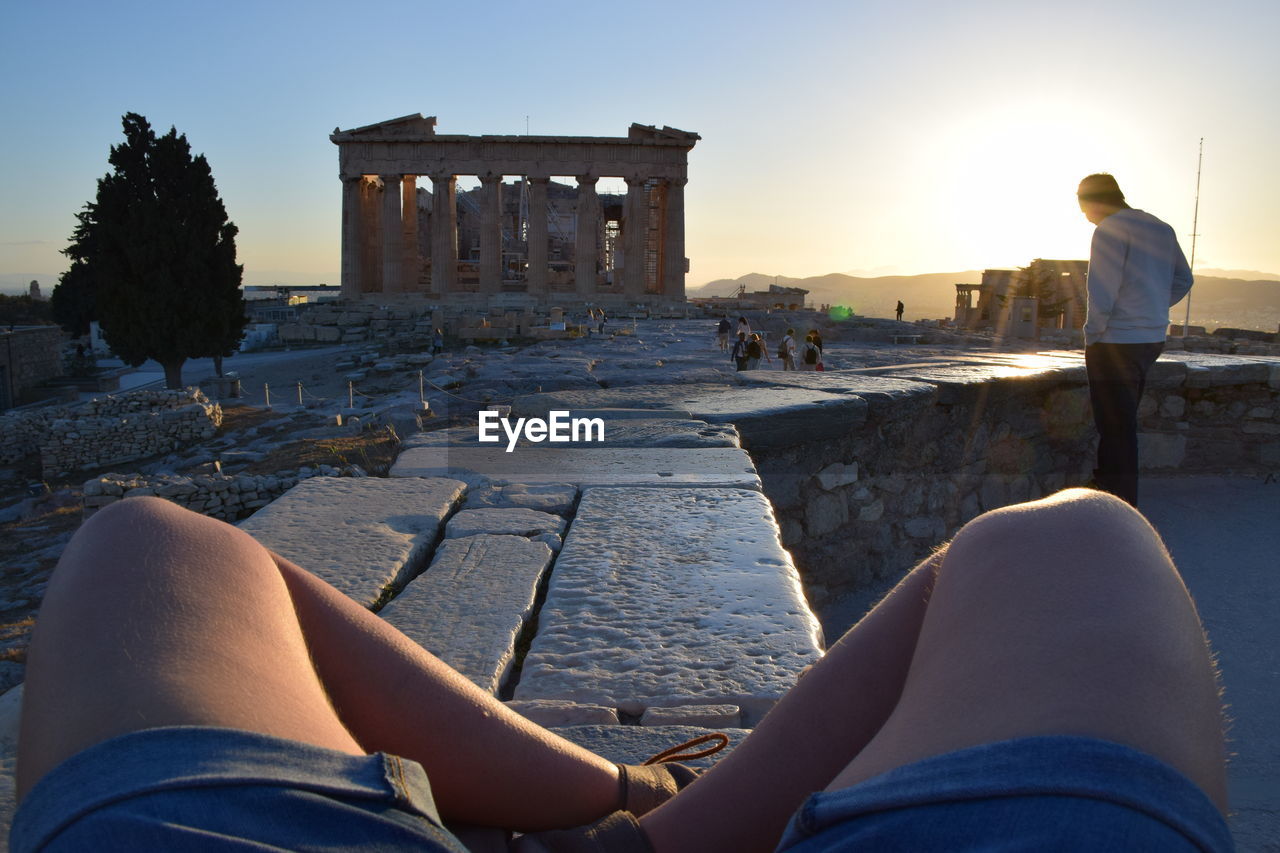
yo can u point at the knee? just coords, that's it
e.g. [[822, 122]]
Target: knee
[[144, 536], [1071, 530]]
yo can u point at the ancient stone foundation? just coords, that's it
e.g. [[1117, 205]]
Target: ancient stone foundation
[[108, 430]]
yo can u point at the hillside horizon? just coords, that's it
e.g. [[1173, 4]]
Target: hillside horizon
[[1216, 301]]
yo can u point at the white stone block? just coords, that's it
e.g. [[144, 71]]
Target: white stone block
[[669, 597], [550, 712], [512, 521], [706, 716], [469, 607], [723, 467], [360, 534]]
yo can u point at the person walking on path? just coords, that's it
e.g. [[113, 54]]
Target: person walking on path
[[1040, 682], [787, 350], [744, 328], [739, 354], [810, 354], [722, 334], [900, 309], [1137, 271], [756, 350]]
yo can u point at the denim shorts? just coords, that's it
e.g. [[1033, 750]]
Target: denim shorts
[[194, 788], [1041, 793]]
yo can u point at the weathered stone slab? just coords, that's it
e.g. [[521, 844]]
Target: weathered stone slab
[[627, 430], [512, 521], [965, 383], [635, 744], [469, 607], [764, 416], [726, 467], [551, 713], [556, 498], [1207, 370], [704, 716], [874, 388], [361, 534], [668, 597]]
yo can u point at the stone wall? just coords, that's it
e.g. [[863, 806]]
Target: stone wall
[[868, 504], [28, 356], [331, 324], [229, 497], [107, 430]]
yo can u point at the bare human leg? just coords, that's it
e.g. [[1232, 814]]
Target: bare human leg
[[1063, 616], [158, 617]]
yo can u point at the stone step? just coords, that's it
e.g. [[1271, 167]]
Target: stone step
[[361, 534], [677, 596], [469, 607], [723, 467]]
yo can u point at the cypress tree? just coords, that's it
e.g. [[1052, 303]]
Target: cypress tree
[[159, 256]]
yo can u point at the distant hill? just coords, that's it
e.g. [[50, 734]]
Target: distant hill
[[1215, 300]]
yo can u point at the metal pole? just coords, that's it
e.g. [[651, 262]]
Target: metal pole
[[351, 399], [421, 396], [299, 395], [1195, 221], [266, 393]]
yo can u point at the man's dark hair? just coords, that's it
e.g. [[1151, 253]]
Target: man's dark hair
[[1101, 188]]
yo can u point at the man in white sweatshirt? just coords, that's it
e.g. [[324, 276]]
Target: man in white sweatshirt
[[1136, 272]]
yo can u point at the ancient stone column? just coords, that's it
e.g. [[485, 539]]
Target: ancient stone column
[[351, 234], [370, 236], [635, 226], [392, 234], [537, 238], [410, 262], [490, 233], [673, 260], [586, 257], [444, 234]]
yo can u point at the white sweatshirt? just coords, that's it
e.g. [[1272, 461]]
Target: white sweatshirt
[[1136, 272]]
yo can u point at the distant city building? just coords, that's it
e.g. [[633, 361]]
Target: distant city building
[[34, 290]]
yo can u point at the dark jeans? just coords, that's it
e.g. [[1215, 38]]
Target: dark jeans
[[1117, 375]]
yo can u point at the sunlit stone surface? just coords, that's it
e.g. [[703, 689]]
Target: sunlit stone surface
[[360, 534], [469, 607], [671, 597]]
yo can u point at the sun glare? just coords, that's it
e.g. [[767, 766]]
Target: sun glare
[[1006, 179]]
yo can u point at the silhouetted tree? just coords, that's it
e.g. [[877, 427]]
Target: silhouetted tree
[[72, 300], [158, 255]]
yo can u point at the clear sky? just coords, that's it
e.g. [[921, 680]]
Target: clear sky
[[874, 137]]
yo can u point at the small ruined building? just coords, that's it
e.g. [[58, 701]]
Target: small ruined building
[[524, 242], [777, 298], [1044, 295]]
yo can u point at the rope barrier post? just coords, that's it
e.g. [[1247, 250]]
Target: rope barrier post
[[422, 397], [266, 393], [351, 390], [299, 395]]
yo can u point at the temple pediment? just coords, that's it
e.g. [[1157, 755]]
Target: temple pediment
[[412, 127], [646, 132]]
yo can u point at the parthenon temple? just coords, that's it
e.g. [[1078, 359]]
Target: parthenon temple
[[529, 242]]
